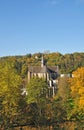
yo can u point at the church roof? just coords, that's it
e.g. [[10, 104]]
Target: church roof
[[44, 69]]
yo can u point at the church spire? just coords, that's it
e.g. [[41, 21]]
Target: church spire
[[42, 62]]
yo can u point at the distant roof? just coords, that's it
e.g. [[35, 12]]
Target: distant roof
[[44, 69]]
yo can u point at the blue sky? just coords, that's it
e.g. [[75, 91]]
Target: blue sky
[[31, 26]]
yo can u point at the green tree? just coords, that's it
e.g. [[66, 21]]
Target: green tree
[[37, 90], [63, 88], [37, 93], [63, 97]]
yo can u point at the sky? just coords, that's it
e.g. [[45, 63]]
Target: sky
[[32, 26]]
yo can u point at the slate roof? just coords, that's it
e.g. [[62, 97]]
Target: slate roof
[[44, 69]]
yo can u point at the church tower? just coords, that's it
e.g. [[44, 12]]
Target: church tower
[[42, 62]]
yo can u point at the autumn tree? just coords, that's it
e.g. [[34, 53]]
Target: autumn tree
[[10, 94], [77, 87], [77, 92]]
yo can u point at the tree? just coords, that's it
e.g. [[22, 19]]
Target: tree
[[37, 92], [77, 92], [77, 87], [10, 93], [64, 98], [63, 88]]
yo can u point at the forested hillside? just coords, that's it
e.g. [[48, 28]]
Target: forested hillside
[[67, 63], [63, 111]]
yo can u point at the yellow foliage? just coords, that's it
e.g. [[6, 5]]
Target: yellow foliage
[[77, 87]]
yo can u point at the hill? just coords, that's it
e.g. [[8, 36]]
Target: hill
[[67, 63]]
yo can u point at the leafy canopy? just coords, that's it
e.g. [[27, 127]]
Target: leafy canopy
[[77, 87], [36, 89]]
